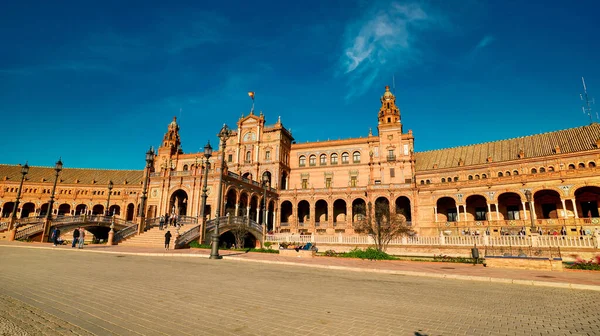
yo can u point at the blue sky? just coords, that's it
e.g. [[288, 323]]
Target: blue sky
[[97, 82]]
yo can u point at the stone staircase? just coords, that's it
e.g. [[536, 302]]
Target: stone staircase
[[155, 237]]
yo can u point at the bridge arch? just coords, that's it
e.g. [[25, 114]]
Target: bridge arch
[[130, 211]]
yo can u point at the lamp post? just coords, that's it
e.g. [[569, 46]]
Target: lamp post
[[142, 214], [207, 155], [528, 196], [110, 188], [265, 180], [223, 135], [58, 166], [13, 216]]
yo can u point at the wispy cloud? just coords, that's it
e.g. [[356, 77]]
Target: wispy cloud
[[384, 40], [487, 40]]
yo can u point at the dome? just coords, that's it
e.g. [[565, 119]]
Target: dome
[[388, 94]]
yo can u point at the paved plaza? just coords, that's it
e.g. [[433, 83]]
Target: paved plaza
[[58, 292]]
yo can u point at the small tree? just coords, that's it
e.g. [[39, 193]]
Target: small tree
[[240, 230], [380, 224]]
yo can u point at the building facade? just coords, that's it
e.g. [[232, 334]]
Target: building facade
[[317, 187]]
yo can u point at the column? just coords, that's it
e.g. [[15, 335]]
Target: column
[[435, 213], [311, 215], [349, 214], [274, 219], [465, 208], [257, 213], [575, 208], [265, 221], [489, 211], [248, 211], [458, 213], [524, 210], [330, 215], [497, 212], [532, 205], [564, 208], [237, 207]]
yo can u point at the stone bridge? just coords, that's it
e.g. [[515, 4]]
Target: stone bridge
[[228, 223], [30, 227]]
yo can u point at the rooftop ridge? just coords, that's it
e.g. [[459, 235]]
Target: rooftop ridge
[[508, 139], [75, 168]]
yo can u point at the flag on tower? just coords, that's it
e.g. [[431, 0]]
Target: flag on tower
[[251, 94]]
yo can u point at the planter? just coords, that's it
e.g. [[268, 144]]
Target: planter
[[297, 254], [528, 263]]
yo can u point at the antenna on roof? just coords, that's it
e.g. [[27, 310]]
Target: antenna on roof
[[587, 104], [394, 84]]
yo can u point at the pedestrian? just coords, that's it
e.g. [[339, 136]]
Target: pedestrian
[[81, 237], [161, 222], [167, 220], [55, 236], [75, 237], [167, 239]]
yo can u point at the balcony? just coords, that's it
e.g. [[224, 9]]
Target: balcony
[[247, 161], [391, 158]]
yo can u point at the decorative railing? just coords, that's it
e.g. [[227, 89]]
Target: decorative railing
[[180, 173], [187, 237], [125, 233], [182, 220], [3, 226], [87, 219], [587, 241], [28, 220], [29, 231], [234, 220]]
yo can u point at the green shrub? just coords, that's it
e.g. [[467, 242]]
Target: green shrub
[[330, 253], [370, 253], [262, 250], [268, 245], [462, 260], [196, 244]]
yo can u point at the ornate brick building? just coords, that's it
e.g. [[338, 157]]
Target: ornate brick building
[[315, 187]]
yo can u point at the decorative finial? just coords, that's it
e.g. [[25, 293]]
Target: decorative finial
[[370, 132], [279, 119]]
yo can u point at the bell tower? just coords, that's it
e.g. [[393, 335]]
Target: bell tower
[[389, 113], [171, 143]]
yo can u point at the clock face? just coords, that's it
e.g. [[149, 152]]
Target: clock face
[[249, 136]]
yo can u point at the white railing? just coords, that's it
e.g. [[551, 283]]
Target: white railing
[[535, 241], [3, 226]]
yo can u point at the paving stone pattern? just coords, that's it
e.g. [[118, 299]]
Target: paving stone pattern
[[54, 292]]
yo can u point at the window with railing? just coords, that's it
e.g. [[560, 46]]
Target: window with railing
[[268, 155], [452, 215], [248, 157], [304, 183], [345, 158], [353, 181], [230, 158], [328, 182], [334, 158]]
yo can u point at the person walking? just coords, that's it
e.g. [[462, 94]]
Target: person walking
[[81, 237], [161, 222], [75, 237], [167, 239], [55, 236], [167, 220]]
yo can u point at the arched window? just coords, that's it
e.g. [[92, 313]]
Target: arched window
[[592, 164], [323, 159], [345, 158], [542, 170], [356, 157], [477, 177], [185, 167], [334, 158], [550, 169], [427, 182], [484, 176], [443, 180], [449, 179], [312, 160], [500, 174], [470, 177], [422, 182], [302, 161], [455, 178], [533, 171], [515, 172], [581, 165], [248, 156], [571, 166]]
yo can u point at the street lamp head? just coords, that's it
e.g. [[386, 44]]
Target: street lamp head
[[25, 169], [224, 133], [528, 195], [58, 166], [110, 185], [149, 156], [208, 150], [265, 179]]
